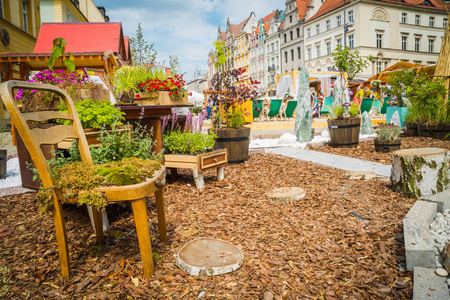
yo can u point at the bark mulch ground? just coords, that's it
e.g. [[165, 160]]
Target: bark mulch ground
[[366, 149], [342, 241]]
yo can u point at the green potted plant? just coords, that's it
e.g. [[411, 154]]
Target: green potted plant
[[189, 148], [344, 124], [388, 138], [400, 82], [231, 91], [5, 139]]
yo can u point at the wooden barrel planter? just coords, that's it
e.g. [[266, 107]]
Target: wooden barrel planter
[[387, 146], [236, 141], [441, 132], [344, 132], [3, 159], [410, 129]]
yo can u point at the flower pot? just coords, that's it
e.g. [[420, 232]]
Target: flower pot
[[441, 132], [236, 141], [344, 132], [410, 129], [3, 160], [159, 98], [387, 146]]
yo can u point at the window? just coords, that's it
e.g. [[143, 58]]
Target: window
[[318, 50], [285, 57], [431, 45], [379, 40], [404, 18], [431, 22], [379, 66], [328, 24], [298, 32], [292, 36], [339, 22], [404, 42], [298, 52], [350, 16], [24, 16], [339, 41], [309, 53], [285, 37], [351, 41], [309, 32], [290, 19], [328, 48], [417, 20], [292, 54], [417, 44], [273, 47], [318, 28], [445, 23]]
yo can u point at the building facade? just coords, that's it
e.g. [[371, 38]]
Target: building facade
[[71, 11], [272, 57], [390, 31]]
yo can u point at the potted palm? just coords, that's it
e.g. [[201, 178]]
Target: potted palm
[[344, 125], [388, 138], [230, 90]]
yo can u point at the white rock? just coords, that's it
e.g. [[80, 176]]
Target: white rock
[[202, 294], [287, 139], [441, 272], [325, 134]]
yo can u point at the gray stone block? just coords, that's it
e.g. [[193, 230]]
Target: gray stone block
[[423, 211], [442, 200], [418, 244], [427, 285]]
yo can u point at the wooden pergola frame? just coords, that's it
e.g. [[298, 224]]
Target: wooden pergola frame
[[28, 62]]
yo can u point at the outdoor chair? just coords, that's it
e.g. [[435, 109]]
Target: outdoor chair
[[275, 105], [257, 108], [385, 105], [327, 104], [376, 107], [34, 138], [366, 105], [290, 108]]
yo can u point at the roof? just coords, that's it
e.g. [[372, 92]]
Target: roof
[[330, 5], [236, 28], [269, 16], [397, 66], [223, 34], [302, 8], [281, 26], [83, 37]]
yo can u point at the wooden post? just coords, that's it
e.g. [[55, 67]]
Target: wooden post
[[420, 172], [159, 196], [198, 178], [220, 173]]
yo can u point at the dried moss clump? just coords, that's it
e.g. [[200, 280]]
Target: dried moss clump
[[77, 180]]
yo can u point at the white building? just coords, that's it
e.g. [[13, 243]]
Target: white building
[[389, 30], [272, 57]]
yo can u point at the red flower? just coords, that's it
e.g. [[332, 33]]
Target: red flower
[[170, 93], [137, 96]]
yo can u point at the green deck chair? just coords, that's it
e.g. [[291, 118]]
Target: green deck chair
[[290, 108], [326, 107], [376, 105], [275, 105], [366, 105], [257, 103], [385, 105]]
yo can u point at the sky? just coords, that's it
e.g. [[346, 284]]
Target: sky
[[185, 28]]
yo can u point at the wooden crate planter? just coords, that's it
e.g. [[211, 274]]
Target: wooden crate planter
[[159, 98], [199, 163]]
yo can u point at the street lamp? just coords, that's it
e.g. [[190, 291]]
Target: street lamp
[[346, 26]]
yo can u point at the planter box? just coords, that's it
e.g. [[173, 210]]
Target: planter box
[[344, 132], [159, 98], [434, 131], [199, 162], [217, 159], [410, 129], [387, 146], [402, 112]]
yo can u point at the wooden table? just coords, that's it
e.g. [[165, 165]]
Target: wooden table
[[152, 116]]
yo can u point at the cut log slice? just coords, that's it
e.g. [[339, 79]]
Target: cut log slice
[[359, 175], [207, 256], [287, 193]]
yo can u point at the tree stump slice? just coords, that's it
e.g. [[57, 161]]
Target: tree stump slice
[[362, 175], [420, 172], [287, 193], [208, 256]]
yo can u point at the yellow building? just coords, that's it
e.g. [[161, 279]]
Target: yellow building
[[241, 55], [71, 11]]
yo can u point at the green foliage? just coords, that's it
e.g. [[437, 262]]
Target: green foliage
[[58, 50], [338, 112], [353, 110], [221, 53], [126, 175], [95, 114], [141, 52], [401, 82], [188, 143], [388, 132], [235, 118], [347, 61]]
